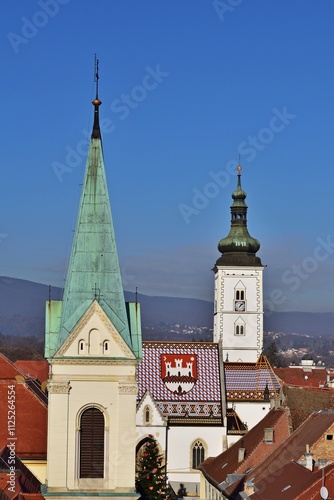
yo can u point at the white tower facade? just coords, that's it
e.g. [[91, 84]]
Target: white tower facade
[[238, 297]]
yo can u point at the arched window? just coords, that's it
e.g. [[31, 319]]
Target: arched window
[[91, 443], [147, 415], [198, 454], [106, 347], [82, 347], [239, 329]]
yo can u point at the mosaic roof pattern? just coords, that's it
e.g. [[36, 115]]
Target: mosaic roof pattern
[[247, 381], [203, 398]]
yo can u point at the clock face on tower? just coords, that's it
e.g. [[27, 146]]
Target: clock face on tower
[[239, 305]]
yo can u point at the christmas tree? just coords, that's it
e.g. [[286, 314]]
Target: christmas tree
[[151, 473]]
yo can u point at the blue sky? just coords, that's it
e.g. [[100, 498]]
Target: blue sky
[[186, 87]]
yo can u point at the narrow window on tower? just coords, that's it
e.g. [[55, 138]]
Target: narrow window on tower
[[239, 327], [240, 297], [92, 444]]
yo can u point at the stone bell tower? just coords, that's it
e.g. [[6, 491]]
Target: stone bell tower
[[238, 306]]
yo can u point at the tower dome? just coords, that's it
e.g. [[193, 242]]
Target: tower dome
[[239, 248]]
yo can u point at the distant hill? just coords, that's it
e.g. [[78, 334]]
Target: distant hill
[[315, 324], [22, 306]]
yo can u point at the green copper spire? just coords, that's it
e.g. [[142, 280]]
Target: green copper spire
[[239, 248], [93, 272]]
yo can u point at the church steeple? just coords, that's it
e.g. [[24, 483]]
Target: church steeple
[[239, 248], [93, 272], [93, 344]]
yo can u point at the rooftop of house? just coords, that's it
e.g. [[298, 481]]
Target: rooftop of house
[[245, 454], [308, 435], [8, 370], [303, 376], [29, 402], [293, 480], [34, 368], [26, 485]]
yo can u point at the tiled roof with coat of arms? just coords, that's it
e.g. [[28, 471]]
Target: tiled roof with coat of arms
[[182, 377]]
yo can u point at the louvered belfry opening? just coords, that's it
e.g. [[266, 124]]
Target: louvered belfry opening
[[92, 443]]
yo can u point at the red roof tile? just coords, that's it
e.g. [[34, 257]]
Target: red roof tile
[[295, 481], [294, 446], [24, 481], [217, 469], [8, 370], [34, 369], [326, 477], [30, 414], [302, 377]]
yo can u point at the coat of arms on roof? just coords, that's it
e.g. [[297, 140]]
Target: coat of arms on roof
[[179, 372]]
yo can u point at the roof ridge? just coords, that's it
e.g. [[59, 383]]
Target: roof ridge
[[282, 413]]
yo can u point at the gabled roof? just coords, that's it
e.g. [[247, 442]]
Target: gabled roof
[[34, 368], [301, 377], [322, 477], [148, 400], [25, 482], [8, 370], [228, 463], [30, 420], [203, 399], [293, 448], [234, 424], [295, 481], [247, 381]]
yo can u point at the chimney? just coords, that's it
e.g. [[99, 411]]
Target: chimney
[[241, 454], [308, 459], [322, 462]]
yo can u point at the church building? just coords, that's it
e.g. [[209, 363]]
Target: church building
[[109, 392], [199, 397], [93, 345]]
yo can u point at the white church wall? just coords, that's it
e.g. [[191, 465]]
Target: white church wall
[[251, 412], [181, 440]]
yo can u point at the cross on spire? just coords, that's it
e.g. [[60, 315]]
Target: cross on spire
[[96, 134], [97, 293]]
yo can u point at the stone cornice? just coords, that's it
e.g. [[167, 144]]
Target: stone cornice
[[59, 387], [128, 389], [94, 361]]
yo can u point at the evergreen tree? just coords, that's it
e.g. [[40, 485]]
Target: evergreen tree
[[273, 355], [151, 474]]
